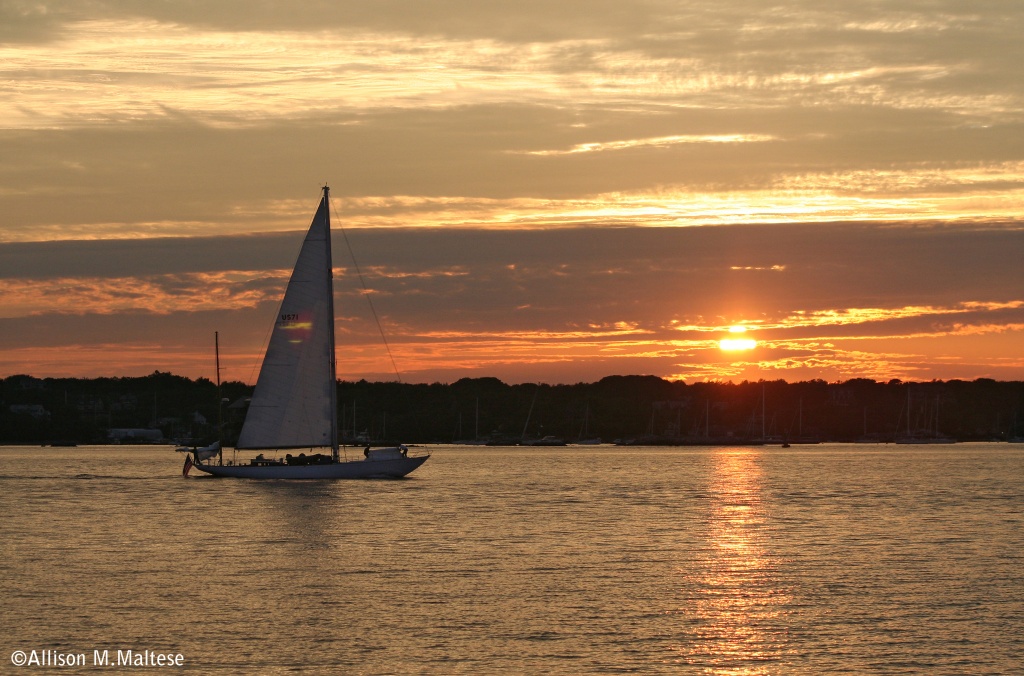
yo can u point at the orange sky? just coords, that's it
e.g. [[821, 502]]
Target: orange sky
[[535, 191]]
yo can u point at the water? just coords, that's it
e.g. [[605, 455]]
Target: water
[[809, 560]]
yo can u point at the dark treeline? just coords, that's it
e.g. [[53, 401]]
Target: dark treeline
[[644, 409]]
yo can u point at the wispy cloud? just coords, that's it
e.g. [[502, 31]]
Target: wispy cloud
[[847, 316], [660, 142], [164, 294]]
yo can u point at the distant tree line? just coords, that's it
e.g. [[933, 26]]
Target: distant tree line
[[639, 409]]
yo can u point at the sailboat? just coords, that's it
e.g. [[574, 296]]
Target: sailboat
[[294, 405]]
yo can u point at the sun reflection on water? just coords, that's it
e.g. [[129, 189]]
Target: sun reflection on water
[[737, 606]]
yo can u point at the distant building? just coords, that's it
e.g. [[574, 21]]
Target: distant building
[[35, 410], [125, 435]]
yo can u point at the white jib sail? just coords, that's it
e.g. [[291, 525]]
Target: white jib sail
[[292, 404]]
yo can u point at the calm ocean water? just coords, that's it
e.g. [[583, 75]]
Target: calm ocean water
[[809, 560]]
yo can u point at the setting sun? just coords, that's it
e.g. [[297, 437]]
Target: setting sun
[[737, 344]]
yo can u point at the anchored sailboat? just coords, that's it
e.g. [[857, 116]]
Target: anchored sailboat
[[295, 405]]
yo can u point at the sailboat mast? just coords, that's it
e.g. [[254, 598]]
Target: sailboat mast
[[762, 412], [908, 410], [530, 413], [330, 330], [220, 404]]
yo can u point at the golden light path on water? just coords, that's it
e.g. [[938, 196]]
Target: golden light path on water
[[738, 605]]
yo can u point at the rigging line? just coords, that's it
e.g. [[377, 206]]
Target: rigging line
[[366, 294]]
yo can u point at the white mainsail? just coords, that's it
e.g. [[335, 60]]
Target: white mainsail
[[294, 404]]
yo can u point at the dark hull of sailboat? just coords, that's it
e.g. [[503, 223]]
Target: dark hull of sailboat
[[394, 468]]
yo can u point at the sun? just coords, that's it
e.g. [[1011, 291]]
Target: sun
[[737, 344]]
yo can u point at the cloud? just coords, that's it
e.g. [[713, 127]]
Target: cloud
[[156, 294], [659, 142], [527, 21], [133, 258], [415, 168], [457, 301]]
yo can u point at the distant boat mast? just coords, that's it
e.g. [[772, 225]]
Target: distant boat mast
[[220, 404]]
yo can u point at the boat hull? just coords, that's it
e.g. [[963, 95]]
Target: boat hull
[[392, 468]]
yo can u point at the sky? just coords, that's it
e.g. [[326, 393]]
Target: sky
[[535, 191]]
